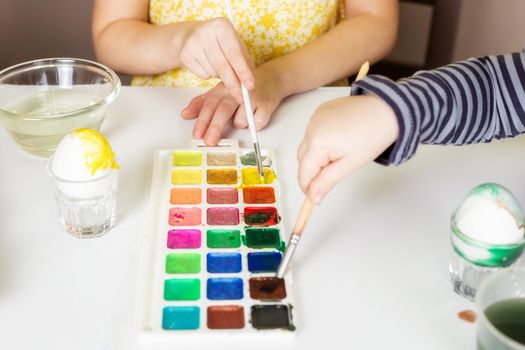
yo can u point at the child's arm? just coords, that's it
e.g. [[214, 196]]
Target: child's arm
[[366, 34], [467, 102], [125, 41]]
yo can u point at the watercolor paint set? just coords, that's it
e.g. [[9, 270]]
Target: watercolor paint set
[[214, 244]]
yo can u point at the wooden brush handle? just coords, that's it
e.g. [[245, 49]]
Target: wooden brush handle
[[363, 71], [303, 216]]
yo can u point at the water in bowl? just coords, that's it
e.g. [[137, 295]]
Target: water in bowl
[[40, 136], [508, 316]]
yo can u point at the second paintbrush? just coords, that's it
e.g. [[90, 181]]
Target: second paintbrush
[[306, 210]]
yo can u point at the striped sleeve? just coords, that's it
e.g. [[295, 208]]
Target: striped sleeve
[[471, 101]]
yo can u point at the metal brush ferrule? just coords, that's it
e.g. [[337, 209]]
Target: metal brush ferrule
[[258, 158], [288, 253]]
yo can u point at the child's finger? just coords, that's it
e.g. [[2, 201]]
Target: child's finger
[[204, 62], [222, 115], [300, 150], [203, 121], [222, 68], [194, 107], [193, 56], [231, 46], [260, 117], [327, 178], [239, 119], [310, 164], [195, 67]]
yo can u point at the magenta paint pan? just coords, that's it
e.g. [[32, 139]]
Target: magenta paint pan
[[208, 256], [184, 238]]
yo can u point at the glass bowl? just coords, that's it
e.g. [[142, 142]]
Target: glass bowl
[[43, 100]]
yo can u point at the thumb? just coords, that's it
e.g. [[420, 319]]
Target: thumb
[[261, 118], [327, 178]]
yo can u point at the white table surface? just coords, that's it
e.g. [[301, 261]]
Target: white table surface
[[370, 273]]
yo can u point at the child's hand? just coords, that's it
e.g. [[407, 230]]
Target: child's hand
[[216, 107], [343, 135], [213, 49]]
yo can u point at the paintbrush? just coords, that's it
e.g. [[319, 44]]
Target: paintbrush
[[306, 210], [249, 111]]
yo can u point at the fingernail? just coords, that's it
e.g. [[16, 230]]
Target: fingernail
[[210, 141], [249, 84], [317, 198]]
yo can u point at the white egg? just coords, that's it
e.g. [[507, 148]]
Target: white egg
[[485, 220], [68, 161], [84, 165]]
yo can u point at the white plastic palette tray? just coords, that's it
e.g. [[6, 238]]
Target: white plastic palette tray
[[200, 259]]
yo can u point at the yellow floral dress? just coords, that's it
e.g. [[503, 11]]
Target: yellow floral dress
[[269, 28]]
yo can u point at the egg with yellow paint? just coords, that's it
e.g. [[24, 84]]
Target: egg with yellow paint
[[83, 155]]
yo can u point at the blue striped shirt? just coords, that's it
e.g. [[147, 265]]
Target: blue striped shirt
[[471, 101]]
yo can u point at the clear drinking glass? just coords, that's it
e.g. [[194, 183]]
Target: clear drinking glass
[[87, 209], [472, 260], [504, 285]]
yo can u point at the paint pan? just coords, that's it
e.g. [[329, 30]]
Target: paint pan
[[222, 216], [261, 216], [272, 317], [262, 237], [222, 195], [267, 288], [187, 177], [182, 216], [225, 317], [221, 158], [258, 195], [216, 239], [221, 176], [223, 238], [187, 158], [247, 158], [184, 239], [251, 177], [185, 196]]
